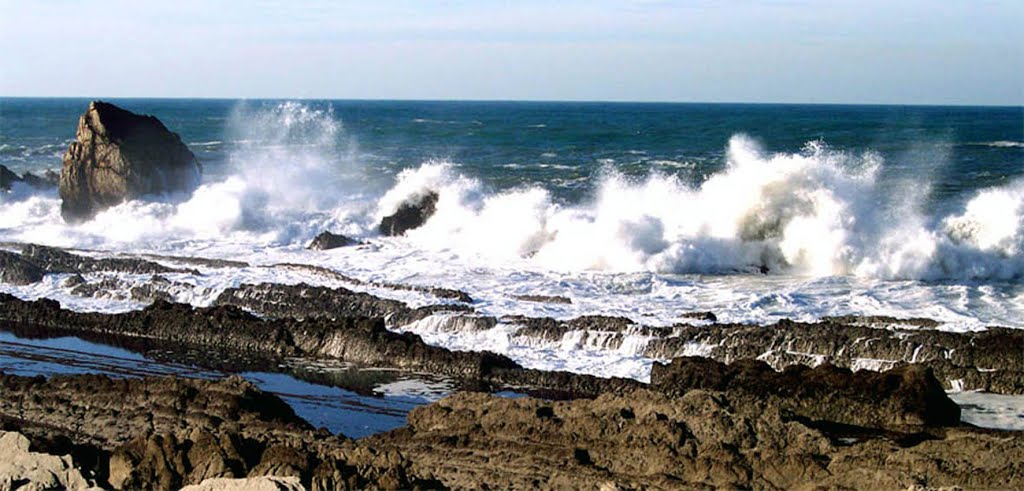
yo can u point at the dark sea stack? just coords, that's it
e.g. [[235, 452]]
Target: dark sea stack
[[119, 155], [410, 215], [327, 240]]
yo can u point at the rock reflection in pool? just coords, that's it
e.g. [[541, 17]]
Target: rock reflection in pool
[[387, 398]]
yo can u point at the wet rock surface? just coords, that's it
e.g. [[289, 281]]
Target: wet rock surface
[[55, 260], [987, 360], [544, 299], [904, 396], [17, 270], [119, 155], [409, 215], [359, 340], [164, 433], [327, 240]]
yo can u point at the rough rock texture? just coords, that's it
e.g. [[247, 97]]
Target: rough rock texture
[[544, 299], [26, 470], [54, 260], [119, 155], [327, 240], [16, 270], [907, 395], [409, 215], [264, 483], [163, 433], [987, 360], [355, 339], [310, 302], [700, 440]]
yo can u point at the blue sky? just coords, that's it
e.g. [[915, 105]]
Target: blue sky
[[902, 52]]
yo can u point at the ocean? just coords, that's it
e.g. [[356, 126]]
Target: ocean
[[642, 210]]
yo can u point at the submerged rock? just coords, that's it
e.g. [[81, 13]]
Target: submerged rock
[[327, 240], [409, 215], [119, 155]]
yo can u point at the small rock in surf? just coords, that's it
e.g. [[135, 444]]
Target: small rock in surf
[[409, 216]]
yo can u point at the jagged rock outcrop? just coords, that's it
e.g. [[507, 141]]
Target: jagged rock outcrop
[[17, 270], [49, 179], [54, 260], [7, 178], [21, 468], [327, 240], [908, 395], [699, 440], [163, 433], [119, 155], [410, 215], [989, 360]]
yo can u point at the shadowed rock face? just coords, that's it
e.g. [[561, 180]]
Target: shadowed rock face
[[16, 270], [409, 215], [326, 241], [8, 178], [908, 395], [162, 433], [119, 155]]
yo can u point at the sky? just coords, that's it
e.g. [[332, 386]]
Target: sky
[[821, 51]]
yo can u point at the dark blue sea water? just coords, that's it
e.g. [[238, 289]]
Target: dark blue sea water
[[565, 145]]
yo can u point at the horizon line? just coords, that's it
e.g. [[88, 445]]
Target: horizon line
[[552, 101]]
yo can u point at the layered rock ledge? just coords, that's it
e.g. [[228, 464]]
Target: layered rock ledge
[[163, 433]]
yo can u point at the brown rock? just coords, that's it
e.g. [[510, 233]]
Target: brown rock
[[118, 156]]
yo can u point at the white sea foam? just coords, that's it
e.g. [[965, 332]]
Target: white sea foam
[[817, 213]]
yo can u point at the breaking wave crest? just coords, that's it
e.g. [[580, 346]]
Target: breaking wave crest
[[816, 213]]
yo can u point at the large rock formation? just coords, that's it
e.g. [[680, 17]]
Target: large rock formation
[[118, 156], [410, 215]]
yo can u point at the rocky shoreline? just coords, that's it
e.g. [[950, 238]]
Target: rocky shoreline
[[779, 406], [165, 433]]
